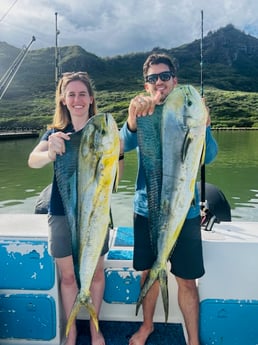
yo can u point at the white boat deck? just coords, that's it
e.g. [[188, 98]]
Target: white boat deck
[[228, 291]]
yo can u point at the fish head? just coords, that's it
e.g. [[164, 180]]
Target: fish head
[[99, 149], [187, 105], [102, 137]]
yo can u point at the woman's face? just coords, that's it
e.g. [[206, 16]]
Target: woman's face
[[77, 99]]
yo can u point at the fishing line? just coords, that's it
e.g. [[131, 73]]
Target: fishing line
[[6, 13]]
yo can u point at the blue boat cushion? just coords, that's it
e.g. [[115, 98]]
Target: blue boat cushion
[[122, 285], [118, 254], [26, 264], [27, 316], [229, 322], [124, 237]]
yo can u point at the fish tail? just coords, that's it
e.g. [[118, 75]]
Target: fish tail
[[149, 281], [163, 280], [92, 311], [159, 274], [75, 310]]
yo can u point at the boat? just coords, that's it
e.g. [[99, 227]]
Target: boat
[[30, 305]]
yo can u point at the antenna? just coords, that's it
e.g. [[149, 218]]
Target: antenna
[[57, 55]]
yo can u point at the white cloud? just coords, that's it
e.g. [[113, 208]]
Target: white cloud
[[108, 27]]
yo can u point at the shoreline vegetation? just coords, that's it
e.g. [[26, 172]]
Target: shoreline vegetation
[[230, 110]]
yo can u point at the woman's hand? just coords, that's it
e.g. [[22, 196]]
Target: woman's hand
[[46, 150], [56, 144]]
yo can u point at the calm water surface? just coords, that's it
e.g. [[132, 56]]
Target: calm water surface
[[235, 172]]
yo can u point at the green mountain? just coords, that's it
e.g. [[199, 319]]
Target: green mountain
[[229, 63], [229, 60]]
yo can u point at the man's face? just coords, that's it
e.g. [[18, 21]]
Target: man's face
[[163, 87]]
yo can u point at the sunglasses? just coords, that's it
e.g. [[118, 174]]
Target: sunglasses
[[163, 76], [68, 74]]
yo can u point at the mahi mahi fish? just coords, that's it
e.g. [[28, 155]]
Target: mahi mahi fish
[[171, 159], [86, 176]]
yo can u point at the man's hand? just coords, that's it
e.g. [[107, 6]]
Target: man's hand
[[141, 105]]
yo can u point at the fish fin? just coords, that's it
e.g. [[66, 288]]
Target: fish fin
[[116, 181], [203, 153], [186, 143], [163, 280], [92, 311]]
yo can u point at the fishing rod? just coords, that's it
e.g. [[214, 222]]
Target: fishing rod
[[13, 69], [8, 10], [57, 54], [220, 208], [201, 52], [203, 196]]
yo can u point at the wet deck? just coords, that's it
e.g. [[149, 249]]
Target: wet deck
[[119, 333]]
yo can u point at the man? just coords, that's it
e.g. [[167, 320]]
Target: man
[[186, 261]]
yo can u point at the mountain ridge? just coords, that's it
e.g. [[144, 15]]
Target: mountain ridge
[[229, 63], [230, 74]]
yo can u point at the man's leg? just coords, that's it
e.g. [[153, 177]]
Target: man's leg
[[148, 307], [188, 300]]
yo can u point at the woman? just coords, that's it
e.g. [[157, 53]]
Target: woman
[[75, 104]]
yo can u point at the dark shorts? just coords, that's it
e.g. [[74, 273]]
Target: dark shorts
[[187, 257], [60, 240]]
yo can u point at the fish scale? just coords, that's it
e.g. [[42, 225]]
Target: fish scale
[[149, 141]]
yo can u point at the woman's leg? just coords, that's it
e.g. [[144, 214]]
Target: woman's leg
[[97, 291], [69, 292]]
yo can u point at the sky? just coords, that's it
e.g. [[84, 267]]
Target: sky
[[108, 28]]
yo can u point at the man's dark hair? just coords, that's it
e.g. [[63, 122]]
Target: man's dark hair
[[157, 58]]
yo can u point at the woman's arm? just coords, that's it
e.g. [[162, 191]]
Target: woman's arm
[[46, 151], [39, 157]]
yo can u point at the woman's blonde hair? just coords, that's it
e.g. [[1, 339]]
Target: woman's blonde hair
[[62, 115]]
